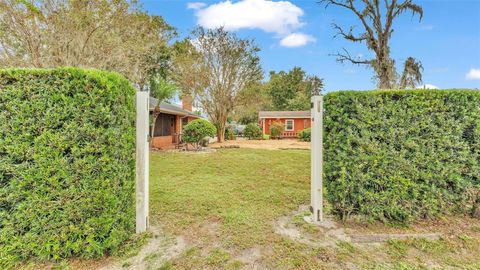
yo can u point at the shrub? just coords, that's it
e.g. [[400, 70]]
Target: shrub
[[253, 131], [266, 137], [304, 135], [401, 155], [67, 167], [195, 131], [229, 134], [276, 129]]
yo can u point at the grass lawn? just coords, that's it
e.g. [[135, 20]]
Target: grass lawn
[[225, 204]]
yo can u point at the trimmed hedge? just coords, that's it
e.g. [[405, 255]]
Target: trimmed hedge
[[305, 135], [402, 155], [67, 164], [253, 131], [197, 130]]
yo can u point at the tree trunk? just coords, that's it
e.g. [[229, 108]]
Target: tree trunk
[[221, 133], [152, 128]]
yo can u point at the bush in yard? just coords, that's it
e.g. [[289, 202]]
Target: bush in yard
[[229, 134], [276, 129], [402, 155], [253, 131], [67, 167], [266, 137], [195, 131], [304, 135]]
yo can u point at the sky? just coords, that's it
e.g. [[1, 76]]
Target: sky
[[300, 33]]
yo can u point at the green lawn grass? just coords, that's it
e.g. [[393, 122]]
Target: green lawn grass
[[225, 205]]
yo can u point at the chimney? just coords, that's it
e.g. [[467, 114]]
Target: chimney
[[187, 102]]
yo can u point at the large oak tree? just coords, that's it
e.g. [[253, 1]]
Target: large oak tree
[[376, 19]]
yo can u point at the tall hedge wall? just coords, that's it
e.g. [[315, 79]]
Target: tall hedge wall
[[401, 155], [67, 168]]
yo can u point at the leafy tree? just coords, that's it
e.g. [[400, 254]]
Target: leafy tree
[[195, 131], [216, 67], [114, 35], [253, 99], [292, 90], [376, 18]]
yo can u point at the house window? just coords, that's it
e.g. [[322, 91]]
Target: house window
[[289, 125], [304, 123]]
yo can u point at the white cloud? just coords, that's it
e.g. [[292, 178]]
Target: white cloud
[[473, 74], [281, 18], [273, 17], [427, 86], [196, 5], [296, 40]]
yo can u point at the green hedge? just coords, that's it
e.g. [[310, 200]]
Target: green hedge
[[305, 135], [67, 167], [401, 155], [252, 131]]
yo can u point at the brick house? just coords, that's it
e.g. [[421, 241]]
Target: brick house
[[170, 122], [294, 121]]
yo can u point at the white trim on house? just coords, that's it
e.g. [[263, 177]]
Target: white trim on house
[[286, 125], [284, 114]]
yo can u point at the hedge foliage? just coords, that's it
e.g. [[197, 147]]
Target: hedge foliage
[[195, 131], [305, 135], [401, 155], [253, 131], [67, 167]]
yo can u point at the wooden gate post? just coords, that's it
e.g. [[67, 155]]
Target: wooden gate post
[[142, 161], [316, 177]]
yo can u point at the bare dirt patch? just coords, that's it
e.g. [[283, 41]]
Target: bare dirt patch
[[329, 232], [264, 144], [159, 250]]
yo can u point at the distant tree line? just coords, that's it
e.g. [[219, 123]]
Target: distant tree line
[[283, 91]]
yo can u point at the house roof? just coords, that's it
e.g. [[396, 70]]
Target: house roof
[[284, 114], [170, 108]]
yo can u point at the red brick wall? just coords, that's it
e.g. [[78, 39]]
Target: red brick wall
[[299, 123], [162, 141]]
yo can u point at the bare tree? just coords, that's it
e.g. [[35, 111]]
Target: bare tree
[[115, 35], [216, 67], [376, 18]]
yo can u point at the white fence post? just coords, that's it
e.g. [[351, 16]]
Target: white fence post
[[142, 161], [316, 181]]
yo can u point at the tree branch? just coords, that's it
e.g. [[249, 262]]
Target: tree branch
[[347, 57], [349, 35], [348, 4]]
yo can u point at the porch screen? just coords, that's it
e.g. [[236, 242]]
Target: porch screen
[[165, 125]]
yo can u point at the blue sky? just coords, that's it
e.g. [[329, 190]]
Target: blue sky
[[299, 33]]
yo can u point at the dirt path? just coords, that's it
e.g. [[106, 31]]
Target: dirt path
[[264, 144], [159, 250]]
